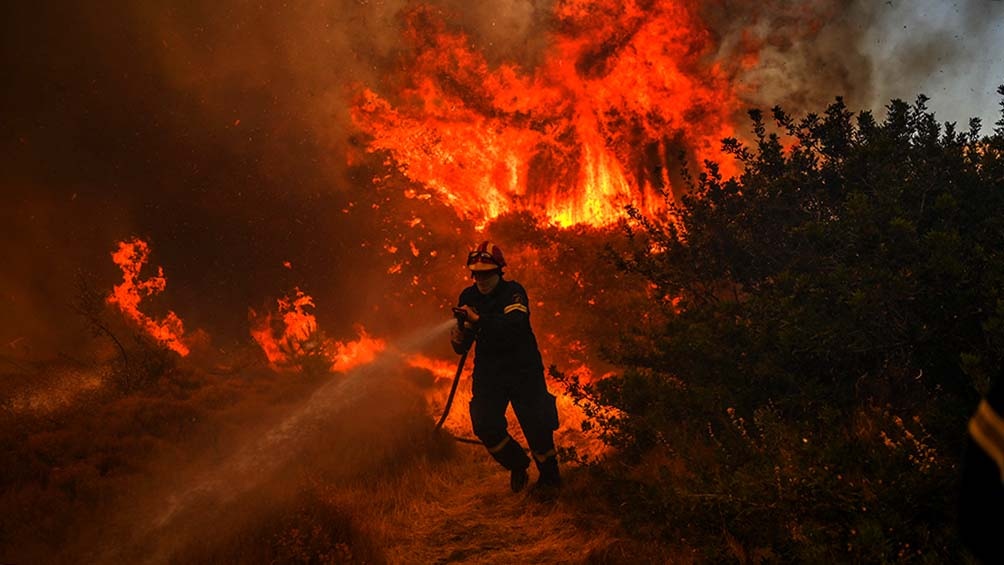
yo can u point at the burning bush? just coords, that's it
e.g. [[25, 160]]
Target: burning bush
[[292, 340], [830, 318], [290, 337], [141, 358], [131, 256]]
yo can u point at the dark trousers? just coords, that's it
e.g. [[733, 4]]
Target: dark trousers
[[535, 410]]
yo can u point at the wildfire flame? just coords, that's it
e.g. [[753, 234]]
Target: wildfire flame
[[596, 126], [350, 354], [296, 328], [290, 337], [130, 257], [442, 370]]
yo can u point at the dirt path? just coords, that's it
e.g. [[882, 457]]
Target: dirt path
[[465, 513]]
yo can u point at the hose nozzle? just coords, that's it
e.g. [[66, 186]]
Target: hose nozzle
[[461, 315]]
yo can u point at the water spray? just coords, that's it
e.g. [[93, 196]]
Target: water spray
[[422, 337], [251, 465]]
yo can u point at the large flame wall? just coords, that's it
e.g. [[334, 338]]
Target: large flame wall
[[593, 127]]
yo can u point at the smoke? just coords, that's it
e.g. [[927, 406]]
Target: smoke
[[219, 133], [197, 127], [949, 51], [805, 53], [867, 52]]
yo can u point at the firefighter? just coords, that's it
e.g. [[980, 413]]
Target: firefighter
[[981, 509], [507, 369]]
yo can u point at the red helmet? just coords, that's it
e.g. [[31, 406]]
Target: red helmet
[[487, 257]]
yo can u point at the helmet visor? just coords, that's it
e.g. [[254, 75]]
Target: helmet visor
[[481, 261]]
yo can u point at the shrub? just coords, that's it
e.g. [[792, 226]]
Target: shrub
[[826, 323]]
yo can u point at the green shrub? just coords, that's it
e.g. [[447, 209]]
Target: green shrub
[[825, 325]]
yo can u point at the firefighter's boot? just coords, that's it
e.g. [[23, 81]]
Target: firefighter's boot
[[547, 465], [510, 454], [518, 479]]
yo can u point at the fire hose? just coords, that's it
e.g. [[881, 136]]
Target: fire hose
[[449, 402], [461, 318]]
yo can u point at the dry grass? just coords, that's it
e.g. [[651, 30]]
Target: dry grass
[[458, 509], [253, 469]]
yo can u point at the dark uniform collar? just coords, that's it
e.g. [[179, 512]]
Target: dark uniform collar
[[495, 291], [498, 288]]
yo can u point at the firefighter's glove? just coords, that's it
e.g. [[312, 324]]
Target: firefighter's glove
[[472, 316], [457, 335]]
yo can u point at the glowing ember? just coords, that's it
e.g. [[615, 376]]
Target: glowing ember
[[130, 257], [593, 128]]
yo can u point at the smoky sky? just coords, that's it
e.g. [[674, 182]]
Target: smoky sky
[[218, 131], [951, 51]]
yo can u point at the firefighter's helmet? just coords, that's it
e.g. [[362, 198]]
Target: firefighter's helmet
[[487, 257]]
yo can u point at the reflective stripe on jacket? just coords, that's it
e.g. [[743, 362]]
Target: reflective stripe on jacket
[[504, 340]]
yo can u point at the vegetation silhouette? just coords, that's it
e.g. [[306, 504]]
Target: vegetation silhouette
[[820, 330]]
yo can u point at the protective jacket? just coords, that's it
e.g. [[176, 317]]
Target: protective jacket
[[505, 341]]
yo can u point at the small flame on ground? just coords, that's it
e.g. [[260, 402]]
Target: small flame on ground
[[130, 257], [350, 354], [290, 338], [442, 370]]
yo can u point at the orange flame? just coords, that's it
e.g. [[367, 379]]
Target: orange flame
[[593, 128], [130, 257], [296, 328], [442, 370], [347, 355], [459, 421], [290, 337]]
